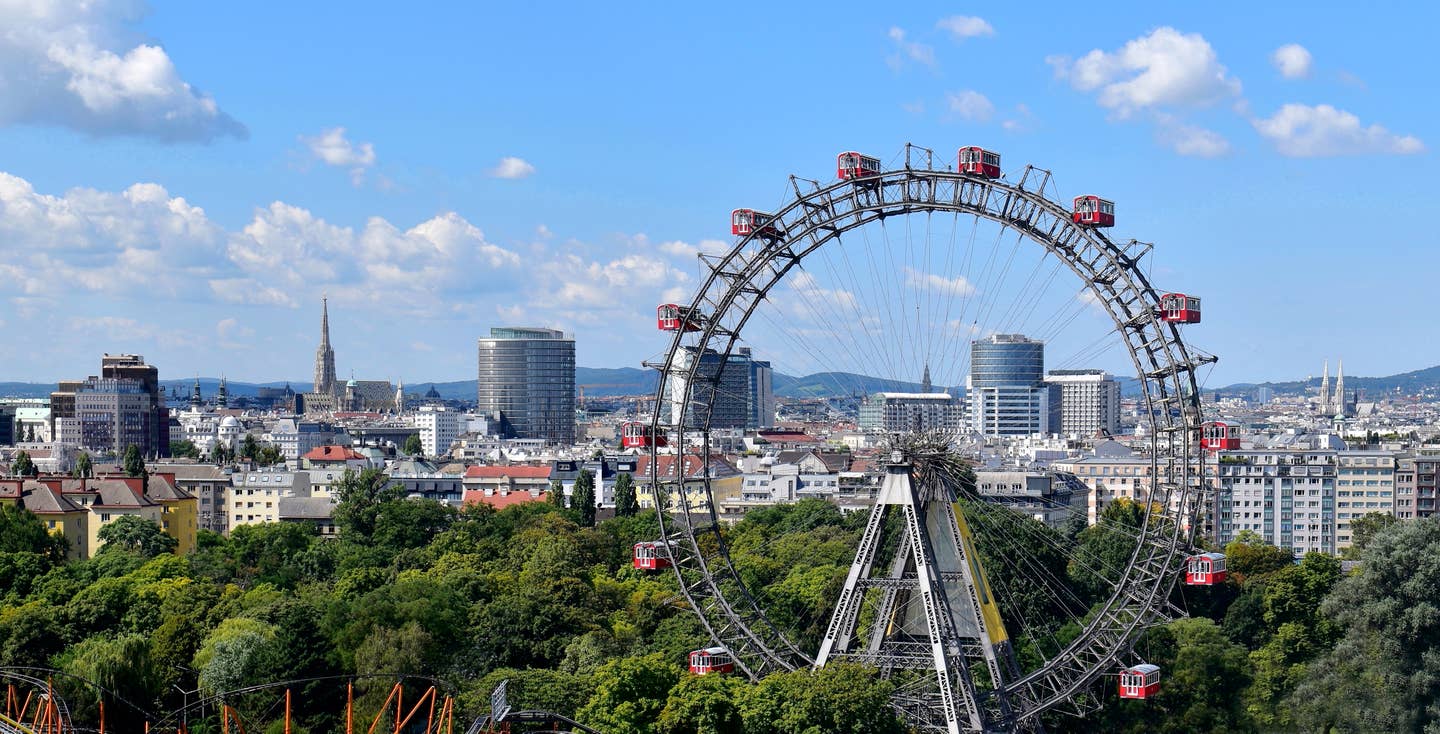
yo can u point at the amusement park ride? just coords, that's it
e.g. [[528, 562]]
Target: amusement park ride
[[917, 604]]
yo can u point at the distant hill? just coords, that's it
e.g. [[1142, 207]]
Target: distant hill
[[610, 381]]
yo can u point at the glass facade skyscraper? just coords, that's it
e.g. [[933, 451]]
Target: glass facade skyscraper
[[1006, 387], [526, 382]]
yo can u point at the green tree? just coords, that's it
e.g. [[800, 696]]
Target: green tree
[[358, 499], [413, 446], [556, 494], [238, 652], [184, 448], [24, 466], [221, 454], [837, 698], [134, 461], [30, 434], [119, 664], [84, 467], [1364, 529], [704, 704], [22, 532], [1249, 556], [583, 498], [249, 447], [269, 456], [137, 535], [626, 503], [1384, 674], [629, 695], [1104, 549]]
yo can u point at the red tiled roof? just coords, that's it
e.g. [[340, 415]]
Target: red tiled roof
[[694, 467], [508, 472], [332, 453], [501, 500]]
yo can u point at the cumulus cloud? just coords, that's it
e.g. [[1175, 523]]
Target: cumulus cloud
[[957, 286], [971, 105], [965, 26], [906, 49], [1164, 69], [511, 167], [332, 148], [1304, 131], [1022, 121], [1292, 61], [81, 65], [1190, 140]]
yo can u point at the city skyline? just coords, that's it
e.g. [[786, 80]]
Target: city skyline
[[195, 212]]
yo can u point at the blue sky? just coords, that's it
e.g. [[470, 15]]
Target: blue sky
[[185, 179]]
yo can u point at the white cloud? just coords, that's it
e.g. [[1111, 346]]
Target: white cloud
[[511, 167], [332, 148], [81, 65], [957, 286], [1021, 122], [1292, 61], [965, 26], [970, 105], [1190, 140], [1303, 131], [1164, 69], [676, 248], [906, 49]]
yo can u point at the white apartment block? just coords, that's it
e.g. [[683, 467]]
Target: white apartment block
[[1089, 402], [254, 496], [1364, 483], [1286, 496], [439, 427]]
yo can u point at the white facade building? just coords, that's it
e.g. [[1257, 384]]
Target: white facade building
[[1089, 402], [439, 427]]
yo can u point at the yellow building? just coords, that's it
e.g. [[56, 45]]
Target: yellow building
[[60, 515], [687, 472], [179, 510]]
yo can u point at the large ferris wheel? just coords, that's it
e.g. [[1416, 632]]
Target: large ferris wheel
[[885, 270]]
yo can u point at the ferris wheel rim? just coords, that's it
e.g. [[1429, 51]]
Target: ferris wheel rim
[[1170, 380]]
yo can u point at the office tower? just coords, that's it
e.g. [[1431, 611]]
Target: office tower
[[526, 382]]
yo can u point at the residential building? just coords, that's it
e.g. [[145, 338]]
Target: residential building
[[501, 486], [61, 516], [295, 438], [1287, 496], [439, 427], [893, 412], [526, 382], [255, 496], [1089, 402], [1049, 497], [1006, 387], [327, 464], [420, 478], [687, 473], [317, 511], [1427, 491], [603, 471], [208, 484], [1405, 487], [1364, 483]]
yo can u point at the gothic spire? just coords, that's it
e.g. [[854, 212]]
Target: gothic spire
[[1340, 389], [1325, 390], [324, 355], [925, 380]]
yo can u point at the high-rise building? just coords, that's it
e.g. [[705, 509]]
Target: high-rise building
[[720, 397], [526, 382], [760, 390], [1286, 496], [133, 367], [1089, 401], [1006, 387], [324, 355]]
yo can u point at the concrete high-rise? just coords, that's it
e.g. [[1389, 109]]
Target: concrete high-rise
[[1006, 387], [122, 407], [1089, 401], [526, 382], [760, 390]]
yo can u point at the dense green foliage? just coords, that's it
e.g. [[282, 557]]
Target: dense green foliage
[[413, 445], [533, 596]]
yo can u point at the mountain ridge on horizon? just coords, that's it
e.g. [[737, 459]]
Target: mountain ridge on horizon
[[613, 381]]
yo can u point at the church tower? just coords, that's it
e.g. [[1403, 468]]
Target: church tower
[[925, 385], [1339, 407], [1324, 407], [324, 355], [222, 399]]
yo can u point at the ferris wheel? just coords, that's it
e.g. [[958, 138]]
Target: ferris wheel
[[888, 271]]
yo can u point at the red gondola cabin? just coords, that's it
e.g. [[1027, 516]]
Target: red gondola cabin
[[1094, 211], [652, 555], [1219, 436], [671, 317], [977, 161], [1205, 569], [1178, 308], [1141, 681], [711, 660], [744, 222], [635, 435], [851, 165]]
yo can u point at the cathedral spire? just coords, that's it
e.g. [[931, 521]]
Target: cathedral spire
[[1325, 390], [925, 380], [324, 355], [1340, 389]]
